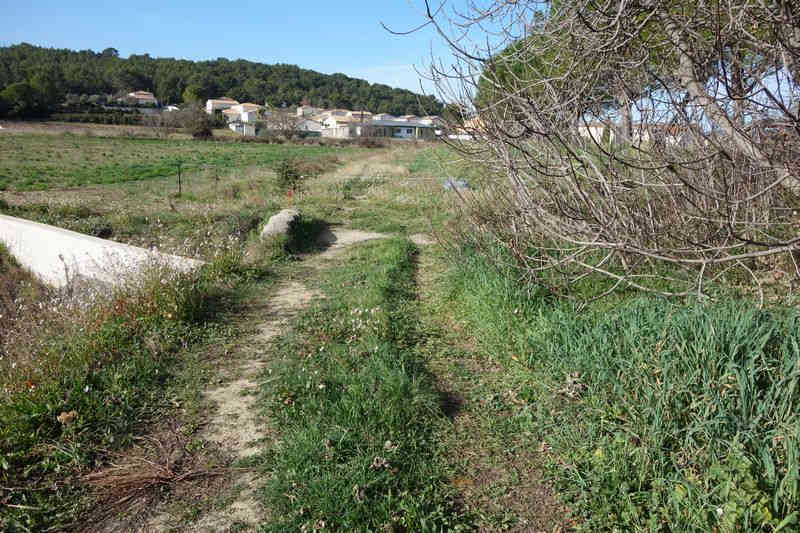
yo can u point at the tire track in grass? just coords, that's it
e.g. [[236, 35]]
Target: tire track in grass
[[496, 472], [356, 408]]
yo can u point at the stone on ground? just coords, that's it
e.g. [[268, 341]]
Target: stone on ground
[[280, 224]]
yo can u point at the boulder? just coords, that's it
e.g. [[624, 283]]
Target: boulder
[[280, 223], [455, 185]]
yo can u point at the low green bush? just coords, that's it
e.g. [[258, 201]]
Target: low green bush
[[661, 416], [287, 173]]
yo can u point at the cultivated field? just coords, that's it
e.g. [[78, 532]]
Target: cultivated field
[[36, 162], [413, 382]]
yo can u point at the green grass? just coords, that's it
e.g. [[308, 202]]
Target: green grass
[[39, 162], [660, 416], [356, 408], [86, 372]]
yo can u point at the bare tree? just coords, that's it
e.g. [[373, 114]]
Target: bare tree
[[652, 143], [282, 122]]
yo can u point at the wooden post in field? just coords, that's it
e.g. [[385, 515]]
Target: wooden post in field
[[179, 178]]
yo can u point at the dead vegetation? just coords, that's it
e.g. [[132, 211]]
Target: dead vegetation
[[159, 464], [18, 290]]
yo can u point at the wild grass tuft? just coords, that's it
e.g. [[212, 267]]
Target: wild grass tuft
[[658, 416]]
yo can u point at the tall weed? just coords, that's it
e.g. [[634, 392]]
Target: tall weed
[[83, 371]]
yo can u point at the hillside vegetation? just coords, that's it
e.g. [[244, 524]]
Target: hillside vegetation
[[35, 80]]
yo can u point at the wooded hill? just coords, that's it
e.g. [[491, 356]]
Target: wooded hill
[[34, 80]]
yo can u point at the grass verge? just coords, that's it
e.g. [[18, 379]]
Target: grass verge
[[86, 370], [357, 409], [654, 416]]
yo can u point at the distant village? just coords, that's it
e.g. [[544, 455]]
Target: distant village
[[249, 120]]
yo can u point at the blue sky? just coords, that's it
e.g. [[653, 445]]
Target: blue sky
[[327, 36]]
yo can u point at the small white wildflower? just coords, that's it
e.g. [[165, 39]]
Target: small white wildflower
[[86, 389], [719, 511]]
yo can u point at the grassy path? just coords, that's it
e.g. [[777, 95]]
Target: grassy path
[[495, 469], [233, 426]]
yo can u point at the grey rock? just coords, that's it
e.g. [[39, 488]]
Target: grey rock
[[452, 185], [280, 223]]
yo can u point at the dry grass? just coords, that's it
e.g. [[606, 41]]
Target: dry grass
[[85, 130], [135, 478], [18, 289]]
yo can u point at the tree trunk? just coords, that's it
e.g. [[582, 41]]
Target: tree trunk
[[696, 89]]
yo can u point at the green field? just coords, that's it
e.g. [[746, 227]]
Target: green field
[[39, 162]]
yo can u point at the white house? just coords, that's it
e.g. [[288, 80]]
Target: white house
[[244, 129], [308, 125], [143, 97], [219, 104], [349, 127]]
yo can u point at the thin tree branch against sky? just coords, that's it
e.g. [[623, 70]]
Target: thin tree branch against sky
[[329, 37]]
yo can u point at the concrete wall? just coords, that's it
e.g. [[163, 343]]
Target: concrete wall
[[56, 254]]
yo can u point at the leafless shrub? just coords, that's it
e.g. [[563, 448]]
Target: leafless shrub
[[653, 144]]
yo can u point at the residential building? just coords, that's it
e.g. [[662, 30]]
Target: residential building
[[219, 104], [142, 97], [351, 127], [244, 129]]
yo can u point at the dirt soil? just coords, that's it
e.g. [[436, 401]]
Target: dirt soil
[[234, 425]]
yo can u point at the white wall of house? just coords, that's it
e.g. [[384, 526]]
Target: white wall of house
[[249, 116], [308, 125], [595, 130], [218, 105], [243, 128]]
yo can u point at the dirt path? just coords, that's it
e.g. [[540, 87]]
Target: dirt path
[[234, 425]]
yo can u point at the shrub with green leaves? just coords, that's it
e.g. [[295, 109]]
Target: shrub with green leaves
[[288, 176]]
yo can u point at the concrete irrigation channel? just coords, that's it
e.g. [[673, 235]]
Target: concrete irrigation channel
[[58, 256]]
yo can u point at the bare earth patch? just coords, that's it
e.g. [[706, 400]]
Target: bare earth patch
[[235, 425], [341, 238]]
